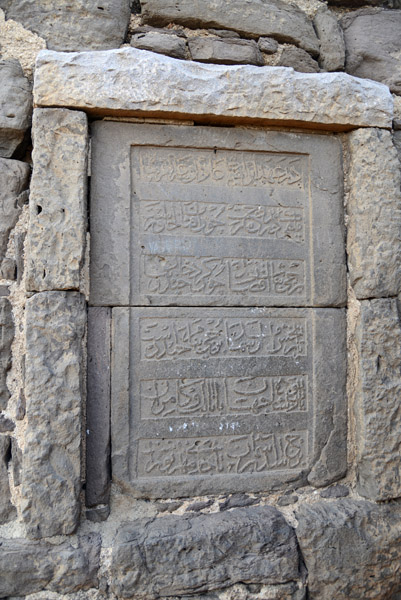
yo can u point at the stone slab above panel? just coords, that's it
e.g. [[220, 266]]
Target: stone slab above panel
[[212, 400], [201, 216], [141, 83]]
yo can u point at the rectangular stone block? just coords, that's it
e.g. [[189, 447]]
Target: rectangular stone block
[[51, 477], [57, 207], [219, 400], [377, 397], [145, 84], [374, 210], [212, 216]]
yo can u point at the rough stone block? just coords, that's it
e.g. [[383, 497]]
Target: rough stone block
[[378, 390], [220, 400], [7, 510], [14, 178], [351, 549], [27, 567], [53, 386], [15, 106], [254, 18], [76, 25], [267, 45], [57, 226], [397, 143], [195, 554], [332, 46], [299, 60], [6, 339], [162, 43], [374, 211], [225, 51], [215, 217], [141, 83]]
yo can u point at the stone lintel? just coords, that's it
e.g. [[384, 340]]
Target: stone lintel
[[135, 82]]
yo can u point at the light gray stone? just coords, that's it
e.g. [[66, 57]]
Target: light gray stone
[[53, 386], [332, 46], [170, 45], [373, 45], [377, 393], [351, 549], [6, 424], [298, 59], [225, 51], [141, 83], [283, 238], [194, 554], [6, 339], [27, 567], [267, 45], [77, 25], [14, 178], [374, 214], [254, 18], [224, 33], [177, 432], [15, 106], [7, 510], [57, 224]]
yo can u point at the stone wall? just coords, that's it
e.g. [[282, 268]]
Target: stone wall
[[331, 538]]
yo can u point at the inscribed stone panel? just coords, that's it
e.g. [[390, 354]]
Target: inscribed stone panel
[[208, 216], [211, 400]]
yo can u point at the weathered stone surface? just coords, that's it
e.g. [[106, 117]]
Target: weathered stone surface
[[351, 549], [225, 51], [237, 501], [176, 432], [140, 83], [374, 210], [254, 18], [54, 367], [14, 176], [377, 415], [299, 60], [397, 143], [15, 106], [267, 45], [335, 491], [6, 424], [7, 510], [6, 339], [27, 567], [57, 225], [168, 44], [332, 46], [194, 554], [194, 186], [373, 45], [78, 25]]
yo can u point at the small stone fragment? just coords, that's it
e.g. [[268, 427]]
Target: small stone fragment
[[397, 142], [335, 491], [267, 45], [168, 506], [237, 501], [287, 500], [299, 60], [16, 462], [21, 406], [98, 514], [198, 506], [14, 179], [7, 510], [4, 290], [6, 339], [224, 33], [6, 424], [170, 45], [15, 107], [8, 269], [225, 51], [332, 47]]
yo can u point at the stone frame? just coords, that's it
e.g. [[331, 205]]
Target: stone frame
[[138, 86]]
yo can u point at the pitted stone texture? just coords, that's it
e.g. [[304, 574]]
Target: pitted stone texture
[[194, 554], [373, 45], [254, 18], [374, 210], [15, 106], [78, 25], [6, 339], [27, 567], [225, 51], [7, 510], [57, 225], [377, 415], [54, 366], [146, 84], [332, 47], [162, 43], [14, 176], [351, 549], [299, 60]]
